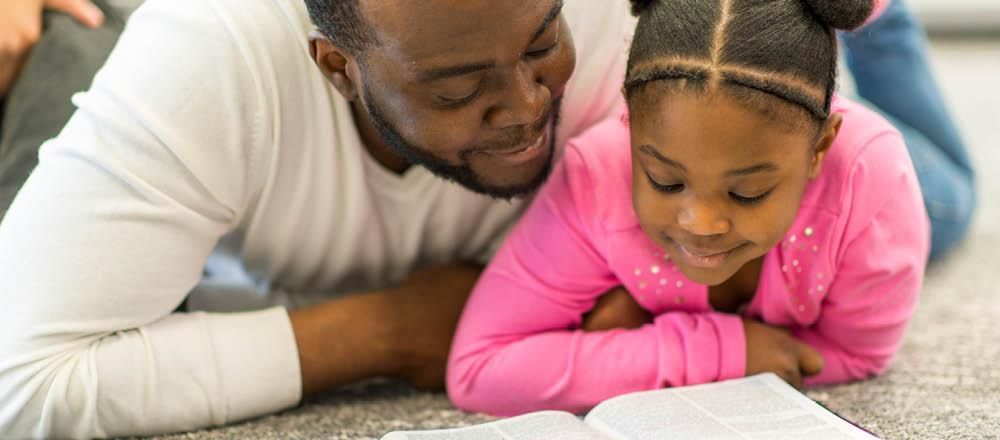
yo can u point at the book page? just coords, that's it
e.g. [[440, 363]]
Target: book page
[[544, 425], [757, 407]]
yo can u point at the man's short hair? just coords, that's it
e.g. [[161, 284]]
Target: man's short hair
[[341, 21]]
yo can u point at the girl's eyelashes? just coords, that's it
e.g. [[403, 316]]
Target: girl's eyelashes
[[678, 187], [669, 189], [744, 200]]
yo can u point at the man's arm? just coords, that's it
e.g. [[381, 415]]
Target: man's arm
[[112, 231], [403, 332]]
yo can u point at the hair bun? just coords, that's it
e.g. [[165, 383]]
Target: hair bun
[[640, 6], [839, 14]]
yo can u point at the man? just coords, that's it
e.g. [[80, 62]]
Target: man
[[223, 128]]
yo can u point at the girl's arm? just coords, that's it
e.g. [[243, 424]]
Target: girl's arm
[[519, 347], [880, 273]]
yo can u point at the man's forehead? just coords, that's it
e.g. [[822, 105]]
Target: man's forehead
[[433, 29]]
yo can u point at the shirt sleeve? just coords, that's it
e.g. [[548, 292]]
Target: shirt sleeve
[[602, 34], [518, 347], [872, 298], [111, 232]]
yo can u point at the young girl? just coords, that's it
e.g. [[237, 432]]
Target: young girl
[[764, 223]]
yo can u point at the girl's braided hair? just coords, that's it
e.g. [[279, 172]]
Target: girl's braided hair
[[754, 49]]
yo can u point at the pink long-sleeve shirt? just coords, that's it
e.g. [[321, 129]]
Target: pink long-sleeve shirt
[[844, 279]]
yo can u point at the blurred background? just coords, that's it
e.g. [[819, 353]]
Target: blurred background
[[964, 54], [965, 57], [960, 16]]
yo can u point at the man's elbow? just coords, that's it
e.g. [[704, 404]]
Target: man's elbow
[[39, 398]]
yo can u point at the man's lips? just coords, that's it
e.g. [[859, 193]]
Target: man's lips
[[533, 143], [540, 128], [522, 153]]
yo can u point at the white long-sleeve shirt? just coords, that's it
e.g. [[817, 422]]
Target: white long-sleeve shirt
[[211, 132]]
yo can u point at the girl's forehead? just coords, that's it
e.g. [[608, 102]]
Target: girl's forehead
[[710, 130]]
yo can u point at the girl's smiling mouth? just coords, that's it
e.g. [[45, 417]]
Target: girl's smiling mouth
[[704, 258]]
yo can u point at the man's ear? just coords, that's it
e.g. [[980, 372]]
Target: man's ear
[[336, 64], [828, 134]]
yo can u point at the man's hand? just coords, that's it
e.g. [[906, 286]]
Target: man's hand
[[21, 27], [424, 314], [773, 349], [403, 332], [616, 309]]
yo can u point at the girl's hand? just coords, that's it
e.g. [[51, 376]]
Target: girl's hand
[[616, 309], [774, 349], [21, 27]]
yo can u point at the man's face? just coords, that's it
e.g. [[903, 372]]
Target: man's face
[[468, 88]]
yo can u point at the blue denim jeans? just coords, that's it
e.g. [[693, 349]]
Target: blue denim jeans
[[888, 60]]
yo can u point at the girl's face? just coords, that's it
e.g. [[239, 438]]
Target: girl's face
[[717, 184]]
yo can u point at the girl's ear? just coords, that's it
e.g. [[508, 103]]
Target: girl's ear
[[827, 135]]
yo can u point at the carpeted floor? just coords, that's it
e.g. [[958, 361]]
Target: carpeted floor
[[944, 384]]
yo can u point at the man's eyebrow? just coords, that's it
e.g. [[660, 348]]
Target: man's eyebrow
[[553, 15], [766, 167], [450, 71], [465, 69], [648, 149]]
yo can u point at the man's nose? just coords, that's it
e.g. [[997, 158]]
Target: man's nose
[[523, 102]]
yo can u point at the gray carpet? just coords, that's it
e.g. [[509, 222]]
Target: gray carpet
[[944, 384]]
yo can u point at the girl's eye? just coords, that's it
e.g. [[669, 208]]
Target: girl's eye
[[745, 200], [669, 189]]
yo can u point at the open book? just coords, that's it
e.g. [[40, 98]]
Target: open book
[[756, 407]]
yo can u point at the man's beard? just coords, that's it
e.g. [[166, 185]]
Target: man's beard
[[461, 174]]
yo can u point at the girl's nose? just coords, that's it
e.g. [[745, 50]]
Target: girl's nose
[[701, 218]]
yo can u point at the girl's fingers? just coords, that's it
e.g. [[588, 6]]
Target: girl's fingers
[[810, 361]]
